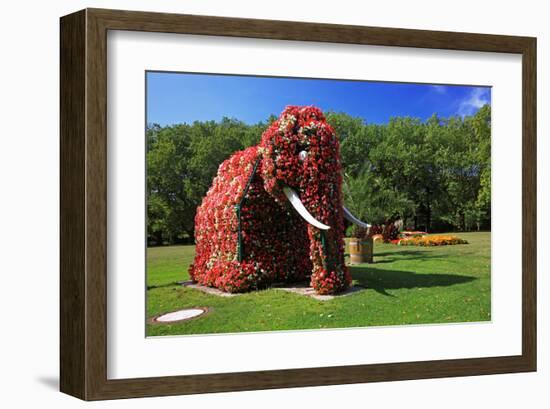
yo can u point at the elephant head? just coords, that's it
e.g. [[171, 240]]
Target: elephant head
[[301, 167]]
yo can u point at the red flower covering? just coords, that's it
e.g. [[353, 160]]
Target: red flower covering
[[299, 150]]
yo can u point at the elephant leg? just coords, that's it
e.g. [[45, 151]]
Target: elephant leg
[[232, 276], [236, 276], [329, 275]]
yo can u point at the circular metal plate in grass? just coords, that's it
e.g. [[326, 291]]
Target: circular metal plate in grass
[[181, 315]]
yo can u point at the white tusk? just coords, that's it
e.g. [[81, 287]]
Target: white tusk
[[351, 218], [295, 201]]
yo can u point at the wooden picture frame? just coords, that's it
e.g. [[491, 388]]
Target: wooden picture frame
[[83, 232]]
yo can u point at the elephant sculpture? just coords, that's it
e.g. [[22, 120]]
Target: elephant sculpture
[[274, 212]]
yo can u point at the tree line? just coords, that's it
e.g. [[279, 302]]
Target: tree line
[[435, 174]]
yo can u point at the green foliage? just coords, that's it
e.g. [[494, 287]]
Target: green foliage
[[168, 208], [435, 174], [182, 160], [370, 198]]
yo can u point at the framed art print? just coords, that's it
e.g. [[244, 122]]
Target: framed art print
[[252, 204]]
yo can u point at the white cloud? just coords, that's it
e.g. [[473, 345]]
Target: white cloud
[[477, 98], [440, 89]]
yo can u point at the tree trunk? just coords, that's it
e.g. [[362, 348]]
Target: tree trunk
[[463, 221], [428, 217]]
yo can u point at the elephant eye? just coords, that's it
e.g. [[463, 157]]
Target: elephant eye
[[302, 155]]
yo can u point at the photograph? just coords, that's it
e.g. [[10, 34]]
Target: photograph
[[279, 203], [229, 204]]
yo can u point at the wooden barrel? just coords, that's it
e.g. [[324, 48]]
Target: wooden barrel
[[360, 250]]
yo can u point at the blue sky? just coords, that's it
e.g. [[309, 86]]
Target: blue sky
[[184, 98]]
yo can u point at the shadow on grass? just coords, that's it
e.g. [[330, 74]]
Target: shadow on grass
[[392, 256], [403, 253], [383, 280], [154, 286]]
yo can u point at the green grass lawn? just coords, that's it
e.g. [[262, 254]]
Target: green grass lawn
[[405, 285]]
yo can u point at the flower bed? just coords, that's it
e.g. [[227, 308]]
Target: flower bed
[[407, 234], [428, 241]]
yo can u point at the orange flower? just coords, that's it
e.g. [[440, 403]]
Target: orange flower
[[428, 241]]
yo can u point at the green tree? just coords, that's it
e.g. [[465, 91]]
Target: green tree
[[169, 210], [344, 124], [367, 197], [465, 157], [436, 174], [182, 160]]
